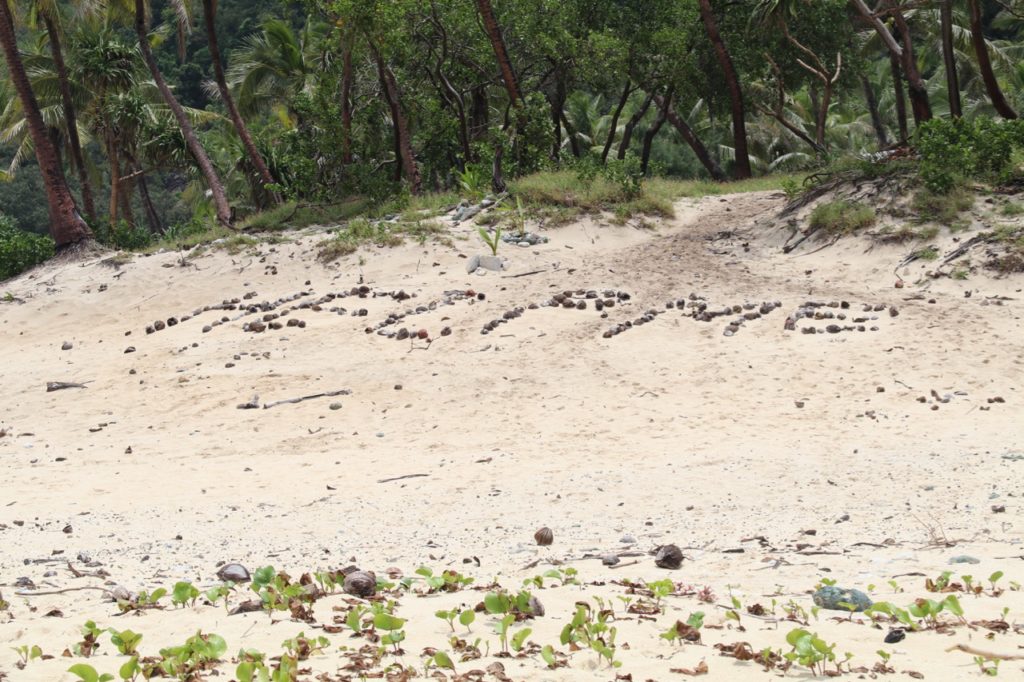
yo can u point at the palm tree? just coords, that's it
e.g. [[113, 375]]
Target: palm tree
[[508, 77], [995, 93], [209, 14], [66, 225], [195, 147], [732, 81], [273, 65], [48, 11]]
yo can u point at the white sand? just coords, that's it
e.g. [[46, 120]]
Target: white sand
[[669, 432]]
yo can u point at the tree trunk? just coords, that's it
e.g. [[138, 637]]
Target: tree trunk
[[66, 226], [479, 114], [152, 217], [220, 200], [904, 55], [557, 105], [403, 141], [115, 178], [901, 98], [70, 117], [995, 93], [613, 128], [739, 124], [690, 137], [652, 132], [949, 58], [570, 132], [209, 15], [631, 124], [346, 103], [876, 116], [915, 84], [500, 52]]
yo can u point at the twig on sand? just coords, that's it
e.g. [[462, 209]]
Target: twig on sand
[[986, 654], [34, 593], [332, 394], [52, 386], [523, 274], [401, 478]]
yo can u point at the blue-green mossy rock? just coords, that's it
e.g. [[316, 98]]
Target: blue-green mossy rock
[[834, 598]]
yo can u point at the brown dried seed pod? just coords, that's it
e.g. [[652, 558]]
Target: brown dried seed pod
[[668, 556], [544, 537], [360, 584]]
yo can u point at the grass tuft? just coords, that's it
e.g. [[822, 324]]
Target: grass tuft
[[840, 218]]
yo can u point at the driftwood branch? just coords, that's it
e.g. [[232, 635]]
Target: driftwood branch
[[292, 401], [402, 478], [52, 386]]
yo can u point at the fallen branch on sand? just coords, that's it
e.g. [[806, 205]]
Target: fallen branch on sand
[[986, 654], [292, 401], [402, 478], [52, 386], [34, 593]]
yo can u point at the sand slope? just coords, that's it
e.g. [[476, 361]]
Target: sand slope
[[668, 432]]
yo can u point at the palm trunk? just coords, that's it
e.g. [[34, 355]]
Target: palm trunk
[[739, 124], [500, 51], [115, 178], [626, 92], [70, 117], [570, 132], [652, 132], [220, 200], [901, 97], [403, 141], [995, 93], [346, 103], [209, 14], [152, 217], [876, 116], [66, 226], [949, 58], [915, 83], [557, 103], [690, 137], [631, 124]]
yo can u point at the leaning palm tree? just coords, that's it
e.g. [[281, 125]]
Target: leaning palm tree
[[66, 225], [137, 11], [48, 13], [184, 12]]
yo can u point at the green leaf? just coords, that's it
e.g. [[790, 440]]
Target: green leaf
[[520, 638], [244, 671], [952, 604], [86, 673], [548, 654], [424, 571], [467, 617], [795, 636], [442, 660], [995, 577], [696, 620], [385, 621], [497, 603], [129, 669]]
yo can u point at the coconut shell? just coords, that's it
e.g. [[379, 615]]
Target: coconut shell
[[233, 573], [668, 556], [544, 537], [360, 584]]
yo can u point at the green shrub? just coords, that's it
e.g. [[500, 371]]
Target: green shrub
[[954, 150], [123, 236], [20, 250], [842, 217], [942, 208]]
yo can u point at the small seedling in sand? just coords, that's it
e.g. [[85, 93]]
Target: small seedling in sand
[[810, 651], [491, 239], [464, 616], [439, 660], [301, 647], [734, 612], [27, 653], [901, 615], [198, 653], [448, 581], [354, 619], [586, 631], [392, 625], [89, 643], [686, 632], [126, 641], [895, 586], [548, 654], [184, 593], [87, 673], [660, 589], [144, 600], [987, 666], [215, 594], [993, 579]]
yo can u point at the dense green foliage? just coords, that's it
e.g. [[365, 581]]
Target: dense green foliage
[[383, 99], [20, 250]]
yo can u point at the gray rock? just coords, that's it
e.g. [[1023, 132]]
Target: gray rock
[[67, 345], [964, 559], [472, 264], [610, 560], [832, 598], [628, 540]]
